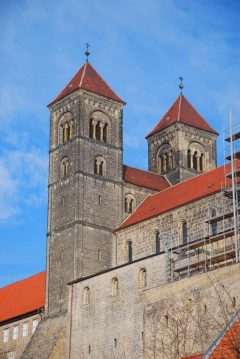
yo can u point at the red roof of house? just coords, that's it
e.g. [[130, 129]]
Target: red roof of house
[[179, 195], [22, 297], [87, 78], [182, 111], [144, 179]]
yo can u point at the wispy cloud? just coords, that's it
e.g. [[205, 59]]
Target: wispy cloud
[[23, 181]]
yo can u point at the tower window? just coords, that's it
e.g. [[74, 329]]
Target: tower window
[[99, 127], [189, 159], [129, 246], [66, 128], [100, 166], [114, 287], [165, 158], [115, 343], [64, 167], [129, 203], [195, 160], [157, 242], [142, 278], [86, 296], [202, 162]]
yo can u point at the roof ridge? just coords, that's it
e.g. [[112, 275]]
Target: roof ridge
[[83, 74], [22, 280], [148, 172], [179, 108]]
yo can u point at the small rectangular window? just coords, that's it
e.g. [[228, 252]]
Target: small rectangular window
[[34, 325], [25, 330], [15, 332], [5, 335]]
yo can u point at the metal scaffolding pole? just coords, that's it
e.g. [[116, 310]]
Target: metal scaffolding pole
[[233, 189]]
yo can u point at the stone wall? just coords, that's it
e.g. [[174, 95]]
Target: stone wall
[[110, 325], [84, 207], [185, 317], [180, 137], [142, 235]]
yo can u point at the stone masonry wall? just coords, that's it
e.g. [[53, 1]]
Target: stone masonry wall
[[112, 326], [84, 208], [142, 235], [180, 137], [199, 307]]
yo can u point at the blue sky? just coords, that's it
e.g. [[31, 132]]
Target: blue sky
[[140, 47]]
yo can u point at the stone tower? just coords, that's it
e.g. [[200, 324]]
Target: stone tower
[[85, 182], [182, 144]]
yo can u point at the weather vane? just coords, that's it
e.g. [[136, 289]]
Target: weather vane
[[87, 52], [181, 86]]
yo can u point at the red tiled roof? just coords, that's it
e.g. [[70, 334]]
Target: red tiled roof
[[22, 297], [198, 356], [229, 344], [144, 179], [179, 194], [87, 78], [182, 111]]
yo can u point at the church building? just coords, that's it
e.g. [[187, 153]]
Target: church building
[[131, 254]]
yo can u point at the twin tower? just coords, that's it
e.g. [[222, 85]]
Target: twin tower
[[87, 187]]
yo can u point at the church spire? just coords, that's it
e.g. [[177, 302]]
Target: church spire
[[87, 78]]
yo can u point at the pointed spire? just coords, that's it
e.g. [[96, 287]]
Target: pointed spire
[[182, 111], [88, 79]]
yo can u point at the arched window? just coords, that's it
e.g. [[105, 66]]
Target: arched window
[[183, 235], [129, 247], [157, 242], [202, 162], [100, 166], [195, 160], [105, 132], [66, 128], [195, 155], [64, 167], [161, 164], [142, 278], [86, 295], [213, 223], [99, 126], [114, 287], [165, 158], [129, 203], [189, 159], [98, 131]]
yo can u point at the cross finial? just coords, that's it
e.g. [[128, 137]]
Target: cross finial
[[87, 52], [181, 83]]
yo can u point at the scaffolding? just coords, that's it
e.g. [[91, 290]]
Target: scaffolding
[[219, 244]]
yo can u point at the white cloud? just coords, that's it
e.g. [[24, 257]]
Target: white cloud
[[23, 181]]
